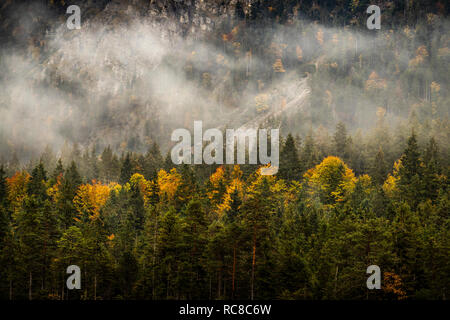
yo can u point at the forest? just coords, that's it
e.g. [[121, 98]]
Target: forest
[[140, 228], [86, 176]]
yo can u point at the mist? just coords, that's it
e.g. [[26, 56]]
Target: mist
[[127, 80]]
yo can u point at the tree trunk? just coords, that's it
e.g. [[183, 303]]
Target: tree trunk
[[10, 290], [168, 283], [253, 265], [95, 287], [234, 272], [219, 284], [335, 281], [85, 289], [210, 288], [29, 287], [154, 257]]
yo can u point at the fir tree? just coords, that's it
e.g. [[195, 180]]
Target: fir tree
[[126, 171], [289, 163]]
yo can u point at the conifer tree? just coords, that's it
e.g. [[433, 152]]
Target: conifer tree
[[289, 162], [379, 168], [432, 170], [126, 171], [410, 173], [342, 143]]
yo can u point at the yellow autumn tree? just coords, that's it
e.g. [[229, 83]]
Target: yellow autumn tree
[[393, 285], [145, 186], [390, 185], [17, 188], [89, 199], [168, 183], [262, 102], [54, 192], [375, 82], [217, 186], [421, 54], [278, 66], [329, 181], [236, 184], [365, 182]]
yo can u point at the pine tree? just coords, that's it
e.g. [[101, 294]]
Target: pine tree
[[126, 171], [153, 161], [127, 272], [59, 170], [169, 250], [342, 143], [4, 215], [289, 163], [168, 164], [3, 186], [432, 170], [308, 156], [378, 171], [234, 234], [259, 212], [109, 166], [411, 173], [239, 11], [72, 180], [194, 244], [37, 185]]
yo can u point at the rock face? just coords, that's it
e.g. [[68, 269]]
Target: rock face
[[181, 16], [121, 78]]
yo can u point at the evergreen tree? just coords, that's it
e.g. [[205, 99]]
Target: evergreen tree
[[308, 156], [59, 171], [194, 243], [3, 187], [289, 162], [153, 161], [37, 185], [126, 171], [239, 11], [379, 168], [432, 170], [342, 143], [71, 182], [411, 173], [259, 212]]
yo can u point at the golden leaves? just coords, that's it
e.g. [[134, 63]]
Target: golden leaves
[[435, 87], [375, 82], [168, 183], [90, 198], [17, 188], [278, 66], [390, 185], [393, 285], [331, 180], [262, 102], [421, 54]]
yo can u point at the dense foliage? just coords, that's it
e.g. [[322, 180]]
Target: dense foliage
[[215, 232]]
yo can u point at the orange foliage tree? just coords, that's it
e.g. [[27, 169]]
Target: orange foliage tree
[[89, 199], [17, 188]]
